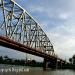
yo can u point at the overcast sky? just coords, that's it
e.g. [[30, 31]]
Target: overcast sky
[[57, 18]]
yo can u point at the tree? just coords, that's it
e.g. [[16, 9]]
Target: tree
[[6, 57], [70, 59], [1, 59], [73, 59]]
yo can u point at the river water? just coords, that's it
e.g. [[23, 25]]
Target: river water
[[23, 70]]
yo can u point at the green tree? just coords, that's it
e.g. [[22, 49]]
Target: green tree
[[70, 60], [73, 59], [1, 59]]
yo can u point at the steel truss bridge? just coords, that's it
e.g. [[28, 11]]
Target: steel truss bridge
[[20, 31]]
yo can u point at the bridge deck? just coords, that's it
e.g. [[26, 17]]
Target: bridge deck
[[6, 42]]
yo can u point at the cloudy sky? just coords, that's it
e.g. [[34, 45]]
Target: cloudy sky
[[57, 18]]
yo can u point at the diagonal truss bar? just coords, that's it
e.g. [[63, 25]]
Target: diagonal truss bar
[[18, 25]]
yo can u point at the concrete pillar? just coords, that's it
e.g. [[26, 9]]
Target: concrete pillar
[[53, 63], [57, 64], [44, 64]]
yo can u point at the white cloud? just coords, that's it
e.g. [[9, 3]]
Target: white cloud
[[64, 16]]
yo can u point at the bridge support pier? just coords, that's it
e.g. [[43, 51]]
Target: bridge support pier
[[59, 64], [44, 64], [56, 63], [53, 64]]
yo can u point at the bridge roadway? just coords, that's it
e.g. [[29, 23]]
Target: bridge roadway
[[6, 42]]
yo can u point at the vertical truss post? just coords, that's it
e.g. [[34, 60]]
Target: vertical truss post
[[2, 1]]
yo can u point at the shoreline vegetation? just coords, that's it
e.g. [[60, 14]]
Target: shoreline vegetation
[[22, 62], [33, 63]]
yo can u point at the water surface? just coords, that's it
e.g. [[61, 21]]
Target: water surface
[[34, 71]]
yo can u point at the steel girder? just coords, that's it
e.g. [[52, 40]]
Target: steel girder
[[17, 24]]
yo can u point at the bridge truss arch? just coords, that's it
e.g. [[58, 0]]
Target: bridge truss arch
[[17, 24]]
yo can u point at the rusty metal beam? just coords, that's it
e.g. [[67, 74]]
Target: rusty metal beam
[[6, 42]]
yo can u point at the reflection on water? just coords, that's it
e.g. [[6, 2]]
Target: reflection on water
[[34, 71]]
